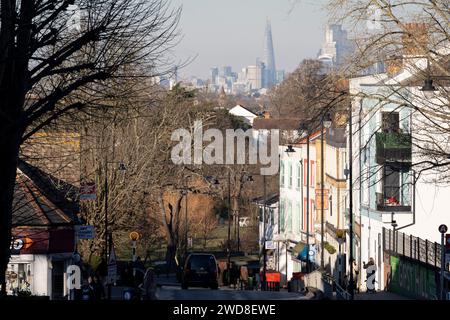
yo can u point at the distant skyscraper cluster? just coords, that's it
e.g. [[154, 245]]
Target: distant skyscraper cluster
[[258, 77], [336, 47]]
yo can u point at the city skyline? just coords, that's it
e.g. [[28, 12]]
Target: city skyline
[[226, 37]]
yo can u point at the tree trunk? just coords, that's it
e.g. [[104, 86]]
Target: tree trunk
[[9, 145]]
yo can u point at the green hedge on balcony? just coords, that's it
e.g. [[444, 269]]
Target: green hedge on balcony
[[393, 140]]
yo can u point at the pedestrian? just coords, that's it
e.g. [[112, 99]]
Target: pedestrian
[[149, 285], [345, 283], [138, 271], [87, 292], [355, 275], [370, 275], [243, 278], [97, 288], [234, 275], [258, 281]]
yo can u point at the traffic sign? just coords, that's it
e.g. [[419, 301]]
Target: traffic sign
[[270, 245], [88, 191], [443, 228], [85, 232], [134, 236]]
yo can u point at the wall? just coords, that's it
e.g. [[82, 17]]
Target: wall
[[413, 279]]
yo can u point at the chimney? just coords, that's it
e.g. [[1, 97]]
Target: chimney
[[394, 65], [415, 39]]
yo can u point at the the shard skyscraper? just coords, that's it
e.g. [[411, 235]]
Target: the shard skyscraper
[[269, 73]]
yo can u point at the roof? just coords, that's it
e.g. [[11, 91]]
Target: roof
[[241, 106], [271, 199], [281, 124], [42, 200]]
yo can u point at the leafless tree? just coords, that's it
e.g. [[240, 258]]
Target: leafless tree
[[412, 37], [58, 56]]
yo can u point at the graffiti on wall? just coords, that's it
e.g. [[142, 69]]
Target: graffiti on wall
[[412, 279]]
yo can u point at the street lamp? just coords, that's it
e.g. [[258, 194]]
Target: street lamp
[[428, 88], [326, 123], [304, 128], [244, 178], [289, 150], [216, 182]]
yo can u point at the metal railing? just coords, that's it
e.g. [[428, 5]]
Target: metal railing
[[341, 293], [415, 248]]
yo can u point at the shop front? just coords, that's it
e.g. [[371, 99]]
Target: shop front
[[43, 238], [38, 263]]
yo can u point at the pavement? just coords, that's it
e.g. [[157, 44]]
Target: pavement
[[224, 293], [379, 295]]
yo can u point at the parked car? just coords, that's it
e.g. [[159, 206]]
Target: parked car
[[200, 270]]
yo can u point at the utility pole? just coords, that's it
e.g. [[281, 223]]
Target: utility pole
[[322, 224], [307, 203], [186, 221], [442, 229], [264, 230], [229, 227], [350, 164]]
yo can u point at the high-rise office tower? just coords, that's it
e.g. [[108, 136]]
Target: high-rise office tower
[[214, 73], [269, 58], [336, 48], [225, 71]]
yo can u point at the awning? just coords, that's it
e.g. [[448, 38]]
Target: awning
[[300, 251]]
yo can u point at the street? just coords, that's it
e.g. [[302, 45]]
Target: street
[[176, 293]]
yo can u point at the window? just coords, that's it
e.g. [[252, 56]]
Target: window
[[290, 174], [305, 203], [282, 173], [391, 185], [305, 172], [298, 217], [330, 203], [289, 216], [390, 122], [313, 173], [18, 278], [312, 215], [299, 175], [281, 221]]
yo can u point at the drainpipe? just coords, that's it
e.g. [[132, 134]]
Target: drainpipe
[[414, 204]]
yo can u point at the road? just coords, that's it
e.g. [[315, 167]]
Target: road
[[176, 293]]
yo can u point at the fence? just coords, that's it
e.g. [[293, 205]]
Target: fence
[[412, 247]]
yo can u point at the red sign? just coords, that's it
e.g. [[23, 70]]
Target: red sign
[[273, 277], [88, 191]]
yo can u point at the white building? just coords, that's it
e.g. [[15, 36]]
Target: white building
[[244, 113], [388, 190]]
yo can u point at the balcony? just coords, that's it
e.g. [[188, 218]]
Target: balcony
[[393, 147], [391, 201]]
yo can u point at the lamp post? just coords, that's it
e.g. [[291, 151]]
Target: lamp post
[[186, 192], [350, 172], [304, 128], [326, 123]]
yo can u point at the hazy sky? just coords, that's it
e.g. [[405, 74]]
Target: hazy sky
[[231, 32]]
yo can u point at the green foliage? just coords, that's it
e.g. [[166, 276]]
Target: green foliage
[[329, 248]]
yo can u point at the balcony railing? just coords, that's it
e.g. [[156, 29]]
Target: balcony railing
[[393, 147], [392, 202]]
